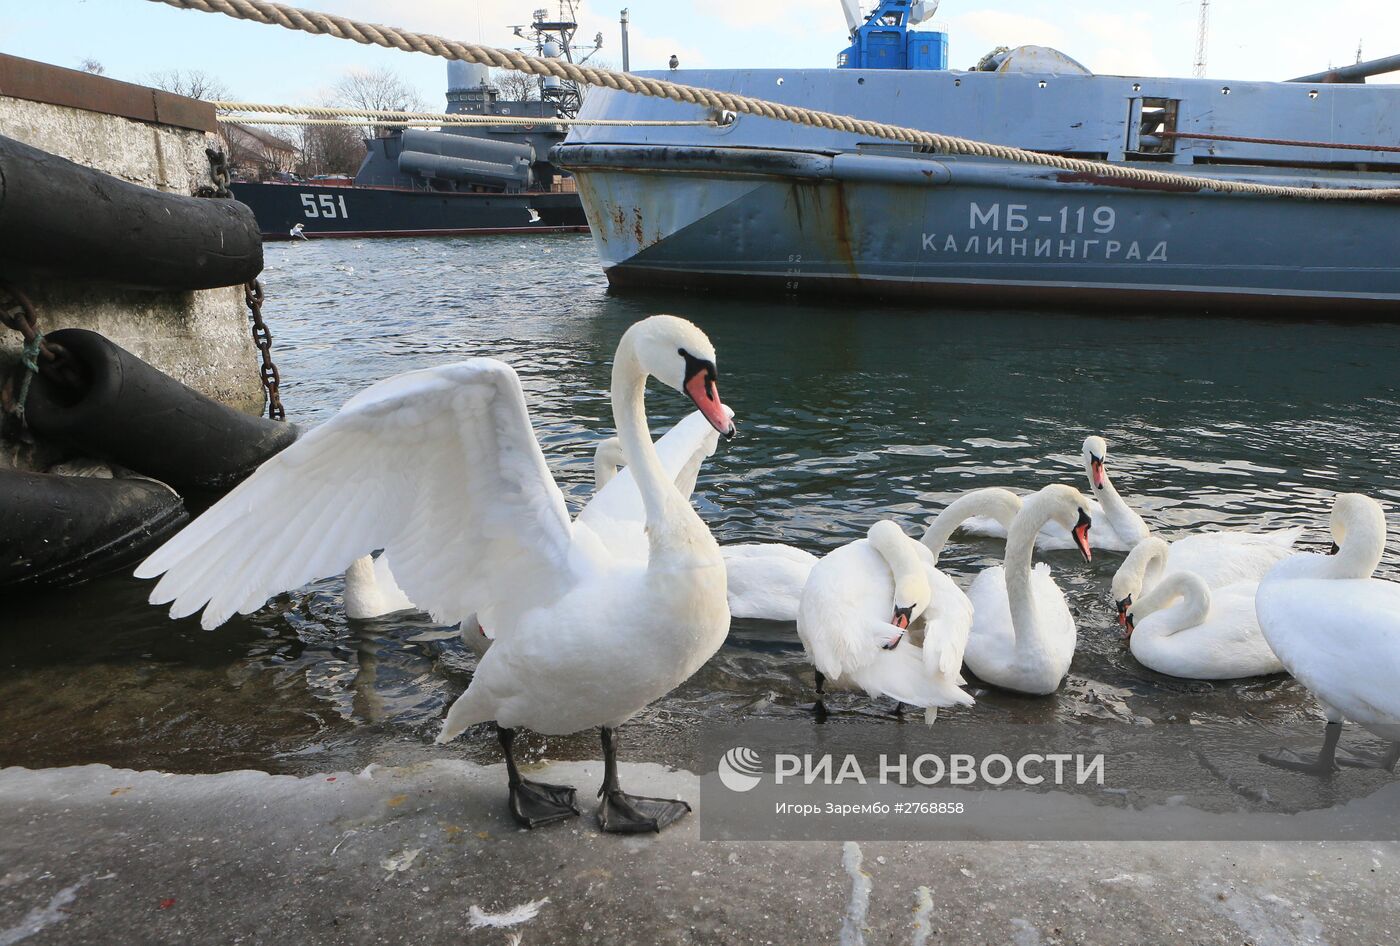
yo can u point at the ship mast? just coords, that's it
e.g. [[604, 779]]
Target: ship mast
[[1202, 29]]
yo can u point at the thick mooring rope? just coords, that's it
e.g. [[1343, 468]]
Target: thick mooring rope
[[404, 118], [323, 24]]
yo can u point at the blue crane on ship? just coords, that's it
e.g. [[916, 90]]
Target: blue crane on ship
[[883, 38]]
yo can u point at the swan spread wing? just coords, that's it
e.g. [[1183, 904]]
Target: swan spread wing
[[439, 467]]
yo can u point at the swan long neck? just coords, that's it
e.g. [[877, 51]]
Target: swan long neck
[[629, 415], [1020, 548], [1148, 557], [359, 577], [604, 463], [1124, 519], [1360, 536], [1001, 504], [900, 554], [1190, 611]]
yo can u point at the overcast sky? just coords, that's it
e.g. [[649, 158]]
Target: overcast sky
[[1249, 39]]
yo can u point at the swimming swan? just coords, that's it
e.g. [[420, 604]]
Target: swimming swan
[[1023, 635], [1219, 558], [1187, 629], [860, 602], [441, 468], [1337, 630], [1117, 528]]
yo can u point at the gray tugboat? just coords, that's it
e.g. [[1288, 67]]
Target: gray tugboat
[[759, 205], [464, 179]]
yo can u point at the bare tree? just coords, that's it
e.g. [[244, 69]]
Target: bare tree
[[259, 152], [194, 83], [330, 149], [516, 86], [92, 66]]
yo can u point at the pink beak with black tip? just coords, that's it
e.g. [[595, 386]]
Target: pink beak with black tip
[[1096, 471], [700, 385], [1081, 535]]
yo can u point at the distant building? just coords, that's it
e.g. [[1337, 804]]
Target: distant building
[[257, 153]]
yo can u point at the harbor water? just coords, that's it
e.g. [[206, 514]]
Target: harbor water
[[846, 414]]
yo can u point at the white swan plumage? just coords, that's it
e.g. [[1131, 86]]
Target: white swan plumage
[[371, 590], [619, 520], [1023, 635], [1219, 558], [993, 503], [1184, 628], [860, 604], [765, 579], [1336, 628], [442, 470], [1117, 526]]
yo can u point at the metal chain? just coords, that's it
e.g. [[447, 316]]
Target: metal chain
[[253, 295], [218, 171], [262, 337], [36, 354]]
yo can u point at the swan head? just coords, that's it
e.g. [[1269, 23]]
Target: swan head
[[1358, 521], [912, 592], [1095, 452], [607, 459], [680, 356], [1129, 578], [1070, 509]]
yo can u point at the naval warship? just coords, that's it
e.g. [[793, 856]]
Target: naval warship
[[462, 179], [750, 204]]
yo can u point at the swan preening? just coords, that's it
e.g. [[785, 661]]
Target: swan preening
[[860, 604], [441, 469], [1336, 628], [1117, 528]]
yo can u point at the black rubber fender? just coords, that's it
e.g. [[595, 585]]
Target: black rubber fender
[[135, 416], [61, 530], [82, 222]]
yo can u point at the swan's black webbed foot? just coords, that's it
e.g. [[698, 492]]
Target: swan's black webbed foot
[[819, 707], [622, 813], [1370, 760], [534, 804], [1323, 764]]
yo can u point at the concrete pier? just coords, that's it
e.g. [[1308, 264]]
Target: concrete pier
[[154, 139], [427, 854]]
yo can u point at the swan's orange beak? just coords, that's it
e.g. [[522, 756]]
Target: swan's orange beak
[[1096, 469], [901, 618], [1123, 607], [701, 387], [1081, 535]]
